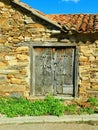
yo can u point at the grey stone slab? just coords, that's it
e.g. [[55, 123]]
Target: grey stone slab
[[49, 119]]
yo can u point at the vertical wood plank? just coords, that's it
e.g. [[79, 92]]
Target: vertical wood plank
[[65, 71], [43, 78]]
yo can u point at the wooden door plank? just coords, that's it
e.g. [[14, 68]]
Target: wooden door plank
[[65, 71], [43, 81]]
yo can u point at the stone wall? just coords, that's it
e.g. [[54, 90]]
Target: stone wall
[[17, 27], [88, 69]]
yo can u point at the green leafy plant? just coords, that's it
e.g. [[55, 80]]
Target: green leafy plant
[[20, 107], [13, 107], [93, 101], [54, 106], [71, 109], [86, 111]]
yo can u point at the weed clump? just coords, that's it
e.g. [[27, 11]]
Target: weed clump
[[13, 107]]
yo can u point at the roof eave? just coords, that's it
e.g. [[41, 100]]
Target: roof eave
[[31, 10]]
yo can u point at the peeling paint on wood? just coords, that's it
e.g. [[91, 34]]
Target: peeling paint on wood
[[53, 70]]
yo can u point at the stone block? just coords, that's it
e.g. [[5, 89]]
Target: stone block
[[19, 66], [4, 24], [97, 58], [36, 26], [8, 57], [2, 40], [19, 81], [12, 62], [85, 85], [82, 88], [22, 57], [93, 69], [85, 78], [16, 16], [15, 81], [21, 76], [92, 46], [85, 82], [26, 94], [9, 72], [94, 64], [21, 38], [15, 40], [83, 96], [2, 57], [9, 76], [83, 48], [34, 30], [7, 94], [83, 59], [2, 65], [84, 69], [15, 95], [1, 5], [23, 72], [94, 75], [96, 42], [5, 49], [91, 58], [92, 93], [19, 88], [94, 87], [2, 21], [94, 80], [28, 20], [95, 53], [2, 78], [27, 38], [84, 63], [85, 74]]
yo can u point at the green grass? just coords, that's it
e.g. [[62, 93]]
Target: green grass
[[13, 107], [71, 109], [93, 101]]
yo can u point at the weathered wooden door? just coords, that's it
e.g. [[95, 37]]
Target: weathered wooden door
[[53, 70]]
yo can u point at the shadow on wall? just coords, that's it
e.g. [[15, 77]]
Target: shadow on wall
[[76, 37]]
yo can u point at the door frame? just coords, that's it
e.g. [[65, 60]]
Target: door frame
[[57, 44]]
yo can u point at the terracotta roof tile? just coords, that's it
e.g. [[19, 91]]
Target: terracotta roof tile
[[90, 24], [86, 23], [82, 23]]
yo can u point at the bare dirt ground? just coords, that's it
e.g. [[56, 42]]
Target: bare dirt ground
[[52, 126]]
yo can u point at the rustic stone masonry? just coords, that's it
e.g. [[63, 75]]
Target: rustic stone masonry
[[16, 27], [88, 68]]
